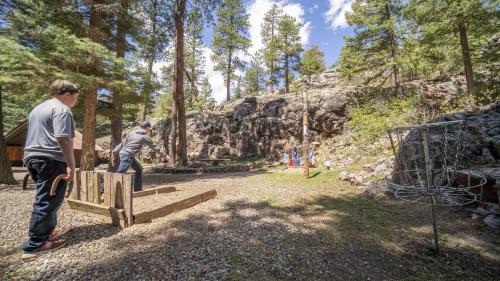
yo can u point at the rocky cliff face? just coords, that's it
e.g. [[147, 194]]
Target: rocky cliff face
[[268, 125]]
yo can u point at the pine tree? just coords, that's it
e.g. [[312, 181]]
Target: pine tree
[[20, 70], [87, 161], [373, 50], [269, 32], [194, 58], [57, 35], [156, 34], [312, 61], [289, 46], [254, 80], [230, 38], [238, 90], [178, 119], [164, 105], [443, 22], [206, 101], [117, 99]]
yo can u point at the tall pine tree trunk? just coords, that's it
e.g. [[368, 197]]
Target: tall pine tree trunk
[[192, 91], [286, 75], [179, 81], [173, 129], [147, 89], [148, 86], [271, 69], [90, 102], [116, 119], [397, 82], [228, 77], [6, 175], [469, 76]]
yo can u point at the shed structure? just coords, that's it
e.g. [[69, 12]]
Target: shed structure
[[16, 139]]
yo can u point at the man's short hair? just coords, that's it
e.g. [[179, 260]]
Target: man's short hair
[[60, 87]]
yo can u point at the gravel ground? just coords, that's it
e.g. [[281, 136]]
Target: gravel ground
[[261, 226]]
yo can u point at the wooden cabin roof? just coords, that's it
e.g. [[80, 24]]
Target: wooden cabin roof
[[17, 137]]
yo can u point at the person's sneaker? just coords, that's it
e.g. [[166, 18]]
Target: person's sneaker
[[54, 234], [47, 246]]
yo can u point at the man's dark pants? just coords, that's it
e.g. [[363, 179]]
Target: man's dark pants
[[44, 215], [126, 162]]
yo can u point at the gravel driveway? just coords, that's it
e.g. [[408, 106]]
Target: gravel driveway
[[261, 226]]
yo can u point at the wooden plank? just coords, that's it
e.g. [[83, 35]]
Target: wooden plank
[[96, 186], [90, 186], [162, 189], [118, 184], [174, 207], [75, 193], [107, 189], [115, 214], [128, 190], [112, 191], [83, 186]]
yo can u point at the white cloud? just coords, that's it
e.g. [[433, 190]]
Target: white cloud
[[259, 8], [313, 8], [335, 16], [157, 66], [215, 78]]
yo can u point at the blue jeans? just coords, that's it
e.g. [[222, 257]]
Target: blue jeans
[[44, 215], [126, 162]]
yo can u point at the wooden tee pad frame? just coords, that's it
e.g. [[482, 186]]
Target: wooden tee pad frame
[[115, 204]]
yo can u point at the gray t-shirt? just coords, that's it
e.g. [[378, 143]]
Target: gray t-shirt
[[48, 121]]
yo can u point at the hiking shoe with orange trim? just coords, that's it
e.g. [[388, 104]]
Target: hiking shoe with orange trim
[[46, 247], [54, 234]]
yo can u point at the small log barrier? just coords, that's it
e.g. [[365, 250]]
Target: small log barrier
[[115, 203], [216, 161]]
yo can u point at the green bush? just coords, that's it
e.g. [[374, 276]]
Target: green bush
[[371, 120]]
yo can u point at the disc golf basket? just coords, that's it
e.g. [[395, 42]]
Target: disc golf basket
[[428, 162]]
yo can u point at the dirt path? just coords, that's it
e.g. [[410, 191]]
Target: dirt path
[[261, 226]]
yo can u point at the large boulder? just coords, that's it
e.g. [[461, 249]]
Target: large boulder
[[473, 143]]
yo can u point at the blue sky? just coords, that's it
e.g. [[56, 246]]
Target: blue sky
[[323, 24]]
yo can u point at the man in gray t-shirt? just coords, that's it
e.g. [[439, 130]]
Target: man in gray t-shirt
[[129, 147], [48, 153]]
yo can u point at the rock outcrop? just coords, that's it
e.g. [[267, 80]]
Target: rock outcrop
[[269, 124], [476, 141]]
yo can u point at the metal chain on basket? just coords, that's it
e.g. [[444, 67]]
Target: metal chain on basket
[[411, 159], [444, 167], [459, 147]]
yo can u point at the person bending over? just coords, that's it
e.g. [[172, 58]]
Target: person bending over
[[48, 153], [129, 147]]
